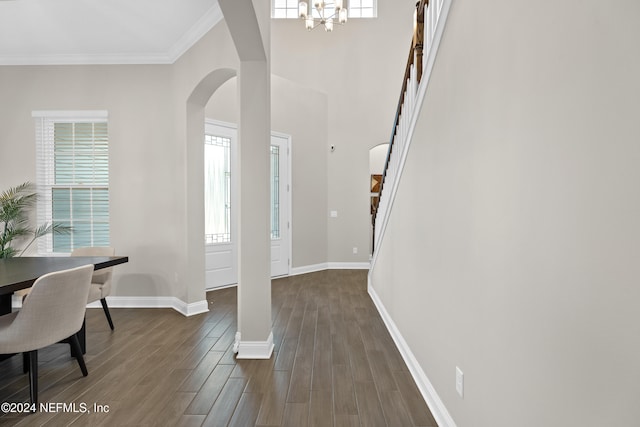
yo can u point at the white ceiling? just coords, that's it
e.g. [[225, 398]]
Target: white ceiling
[[102, 31]]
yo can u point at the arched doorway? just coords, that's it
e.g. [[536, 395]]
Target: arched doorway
[[377, 159], [194, 182]]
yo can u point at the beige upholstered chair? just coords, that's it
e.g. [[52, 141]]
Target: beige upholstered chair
[[53, 311], [101, 281]]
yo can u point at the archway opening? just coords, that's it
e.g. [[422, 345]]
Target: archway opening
[[194, 188], [377, 159]]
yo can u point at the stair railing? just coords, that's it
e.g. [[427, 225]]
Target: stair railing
[[425, 22]]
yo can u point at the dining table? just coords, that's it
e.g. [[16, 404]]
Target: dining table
[[21, 272]]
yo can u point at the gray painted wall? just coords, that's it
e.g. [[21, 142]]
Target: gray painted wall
[[144, 158], [512, 247], [337, 88]]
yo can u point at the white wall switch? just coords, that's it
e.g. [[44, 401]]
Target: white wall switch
[[355, 250], [459, 382], [334, 214]]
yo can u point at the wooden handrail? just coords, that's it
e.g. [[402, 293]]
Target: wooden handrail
[[415, 57]]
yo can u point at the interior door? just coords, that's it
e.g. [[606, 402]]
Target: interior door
[[221, 253]]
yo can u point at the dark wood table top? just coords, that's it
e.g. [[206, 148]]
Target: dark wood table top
[[20, 272]]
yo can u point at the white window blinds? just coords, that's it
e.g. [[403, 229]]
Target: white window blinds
[[72, 150]]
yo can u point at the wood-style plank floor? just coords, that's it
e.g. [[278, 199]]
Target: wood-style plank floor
[[334, 364]]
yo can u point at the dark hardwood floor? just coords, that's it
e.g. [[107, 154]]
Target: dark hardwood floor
[[334, 364]]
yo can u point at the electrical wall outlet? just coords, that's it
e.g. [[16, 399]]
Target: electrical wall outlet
[[355, 250], [459, 382], [333, 214]]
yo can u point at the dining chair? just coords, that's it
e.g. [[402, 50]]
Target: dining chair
[[101, 280], [53, 311]]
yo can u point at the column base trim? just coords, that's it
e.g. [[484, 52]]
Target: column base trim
[[253, 349]]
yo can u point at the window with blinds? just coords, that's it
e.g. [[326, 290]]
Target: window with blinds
[[72, 151]]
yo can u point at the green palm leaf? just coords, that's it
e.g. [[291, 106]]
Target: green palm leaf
[[15, 205]]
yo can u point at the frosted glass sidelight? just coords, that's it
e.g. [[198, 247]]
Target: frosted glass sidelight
[[217, 189], [275, 192]]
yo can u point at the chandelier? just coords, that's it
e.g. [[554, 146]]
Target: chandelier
[[323, 13]]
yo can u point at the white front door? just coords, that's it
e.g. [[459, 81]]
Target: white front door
[[279, 205], [221, 254]]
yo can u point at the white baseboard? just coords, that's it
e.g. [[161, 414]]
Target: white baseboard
[[429, 394], [155, 302], [348, 265], [217, 288], [192, 309], [253, 349], [201, 306], [295, 271]]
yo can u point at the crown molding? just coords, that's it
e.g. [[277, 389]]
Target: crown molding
[[195, 33], [86, 59]]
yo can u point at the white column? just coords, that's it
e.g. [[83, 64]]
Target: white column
[[254, 267], [249, 24]]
